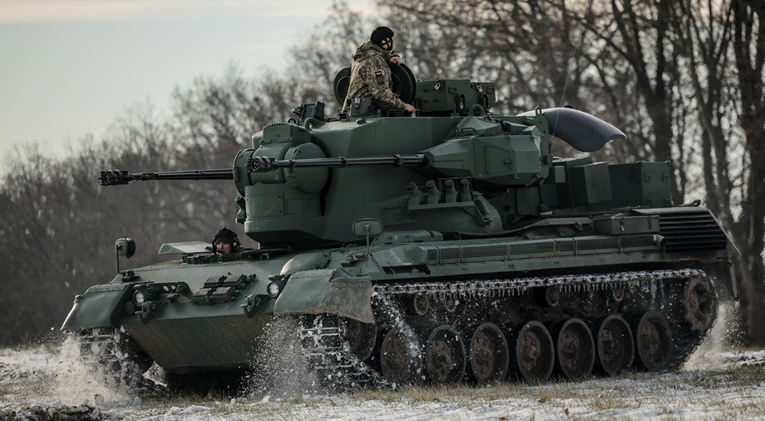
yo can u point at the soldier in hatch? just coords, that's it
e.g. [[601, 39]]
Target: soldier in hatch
[[370, 75], [225, 241]]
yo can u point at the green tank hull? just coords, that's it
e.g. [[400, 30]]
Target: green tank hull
[[186, 334]]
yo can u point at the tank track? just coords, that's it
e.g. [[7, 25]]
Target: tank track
[[108, 352], [328, 353], [593, 282]]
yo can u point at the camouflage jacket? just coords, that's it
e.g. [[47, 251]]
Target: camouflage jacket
[[370, 78]]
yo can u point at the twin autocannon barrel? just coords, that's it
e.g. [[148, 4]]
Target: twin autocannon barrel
[[261, 164], [115, 177]]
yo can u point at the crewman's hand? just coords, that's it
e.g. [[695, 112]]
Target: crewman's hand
[[395, 60], [410, 109]]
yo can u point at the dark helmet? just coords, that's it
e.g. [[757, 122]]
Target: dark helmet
[[382, 37], [227, 236]]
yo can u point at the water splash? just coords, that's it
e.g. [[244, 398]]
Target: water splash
[[79, 379], [724, 333], [414, 348], [278, 368]]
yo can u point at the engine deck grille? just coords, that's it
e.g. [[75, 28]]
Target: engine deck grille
[[695, 229]]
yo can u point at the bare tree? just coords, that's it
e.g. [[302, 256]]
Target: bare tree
[[661, 70], [683, 78], [605, 57], [749, 47]]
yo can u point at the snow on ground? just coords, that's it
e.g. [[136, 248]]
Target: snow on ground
[[714, 385], [50, 382]]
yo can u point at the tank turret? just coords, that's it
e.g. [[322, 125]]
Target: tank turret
[[306, 181]]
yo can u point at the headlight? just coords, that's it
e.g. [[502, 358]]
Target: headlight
[[273, 289], [139, 298]]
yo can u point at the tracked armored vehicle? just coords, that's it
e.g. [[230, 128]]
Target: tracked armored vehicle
[[445, 246]]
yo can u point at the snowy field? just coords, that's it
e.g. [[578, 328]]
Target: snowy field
[[49, 382]]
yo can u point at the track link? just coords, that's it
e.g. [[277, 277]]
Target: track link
[[328, 354], [111, 354]]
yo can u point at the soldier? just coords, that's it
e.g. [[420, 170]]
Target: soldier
[[370, 75], [225, 241]]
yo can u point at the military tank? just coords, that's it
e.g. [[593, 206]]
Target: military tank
[[443, 246]]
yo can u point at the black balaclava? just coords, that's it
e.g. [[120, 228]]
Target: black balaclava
[[382, 37]]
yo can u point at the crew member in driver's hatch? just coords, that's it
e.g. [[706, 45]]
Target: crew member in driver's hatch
[[225, 241]]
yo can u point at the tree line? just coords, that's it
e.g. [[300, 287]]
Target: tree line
[[682, 78]]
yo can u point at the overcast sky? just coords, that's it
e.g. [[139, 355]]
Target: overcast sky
[[68, 67]]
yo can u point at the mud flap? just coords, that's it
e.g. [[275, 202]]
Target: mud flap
[[100, 306], [315, 292]]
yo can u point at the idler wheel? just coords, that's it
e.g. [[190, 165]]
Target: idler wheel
[[445, 356], [489, 355], [700, 303], [574, 348], [532, 353], [361, 338], [614, 344], [653, 340], [400, 357]]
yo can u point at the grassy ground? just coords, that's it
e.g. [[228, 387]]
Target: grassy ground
[[713, 391], [722, 394]]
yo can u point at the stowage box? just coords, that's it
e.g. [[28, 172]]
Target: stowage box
[[646, 180]]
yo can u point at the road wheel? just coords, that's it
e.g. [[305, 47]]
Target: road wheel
[[445, 356], [532, 353], [489, 354], [653, 340], [574, 348], [400, 357], [614, 344]]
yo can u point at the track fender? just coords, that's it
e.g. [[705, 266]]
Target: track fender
[[100, 306], [316, 292]]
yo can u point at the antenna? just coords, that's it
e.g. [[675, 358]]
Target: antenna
[[571, 62]]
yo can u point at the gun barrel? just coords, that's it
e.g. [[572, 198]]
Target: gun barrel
[[116, 177], [261, 164]]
